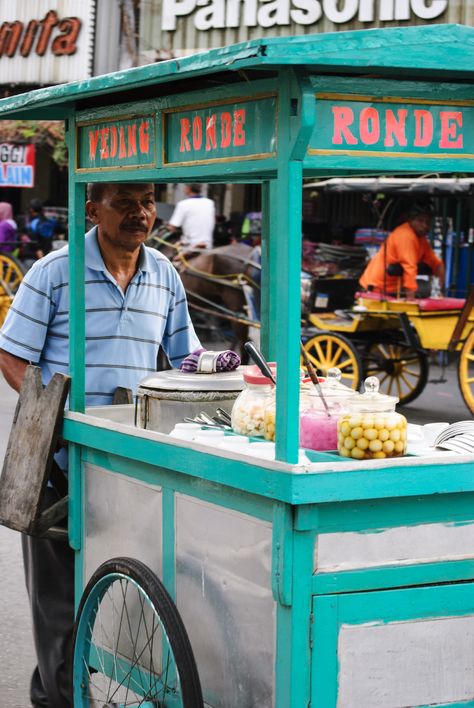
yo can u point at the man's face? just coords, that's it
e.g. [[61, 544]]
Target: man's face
[[421, 224], [125, 214]]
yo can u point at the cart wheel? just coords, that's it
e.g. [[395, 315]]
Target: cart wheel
[[401, 369], [326, 350], [11, 275], [466, 372], [130, 645]]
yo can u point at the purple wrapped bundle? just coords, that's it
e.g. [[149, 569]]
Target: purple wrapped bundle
[[207, 362]]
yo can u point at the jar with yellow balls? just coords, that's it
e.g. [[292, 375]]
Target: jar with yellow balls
[[372, 429]]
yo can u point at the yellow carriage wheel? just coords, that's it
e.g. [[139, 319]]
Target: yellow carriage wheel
[[466, 372], [401, 369], [11, 275], [326, 350]]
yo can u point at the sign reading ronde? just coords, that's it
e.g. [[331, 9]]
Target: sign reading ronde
[[17, 165], [126, 142], [365, 125], [234, 130]]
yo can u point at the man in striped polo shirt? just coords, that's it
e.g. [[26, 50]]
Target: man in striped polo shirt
[[135, 304]]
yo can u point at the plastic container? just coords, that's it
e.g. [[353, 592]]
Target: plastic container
[[372, 429], [248, 409]]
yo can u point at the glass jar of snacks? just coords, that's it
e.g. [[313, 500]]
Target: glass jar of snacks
[[248, 410], [318, 426], [372, 429]]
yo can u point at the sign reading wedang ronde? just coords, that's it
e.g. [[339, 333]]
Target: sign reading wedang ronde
[[17, 165], [46, 43]]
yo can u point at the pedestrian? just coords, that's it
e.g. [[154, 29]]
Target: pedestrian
[[196, 217], [41, 229], [402, 255], [130, 289], [8, 229]]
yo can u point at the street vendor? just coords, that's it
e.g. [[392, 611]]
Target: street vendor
[[135, 303], [398, 261]]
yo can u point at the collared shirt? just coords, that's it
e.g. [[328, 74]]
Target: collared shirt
[[123, 330]]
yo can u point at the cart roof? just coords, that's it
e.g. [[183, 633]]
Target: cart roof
[[441, 51]]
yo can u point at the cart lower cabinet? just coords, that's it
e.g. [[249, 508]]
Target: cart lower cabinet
[[394, 648]]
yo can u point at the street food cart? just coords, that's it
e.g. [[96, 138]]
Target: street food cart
[[300, 581]]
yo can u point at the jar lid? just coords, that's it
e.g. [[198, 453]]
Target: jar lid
[[253, 375], [332, 387], [372, 400], [175, 380]]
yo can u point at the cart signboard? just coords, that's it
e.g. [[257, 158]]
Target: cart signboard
[[385, 126], [234, 130], [115, 143]]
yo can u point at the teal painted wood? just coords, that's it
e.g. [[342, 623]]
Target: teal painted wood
[[259, 507], [393, 577], [285, 269], [324, 666], [77, 194], [168, 570], [271, 278], [75, 490], [386, 513], [282, 554], [380, 87], [264, 280], [283, 657]]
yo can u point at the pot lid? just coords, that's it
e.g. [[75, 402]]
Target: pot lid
[[176, 380]]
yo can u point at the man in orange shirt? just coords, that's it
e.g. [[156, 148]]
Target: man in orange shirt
[[408, 246]]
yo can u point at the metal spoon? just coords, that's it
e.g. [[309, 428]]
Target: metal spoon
[[258, 358], [314, 378]]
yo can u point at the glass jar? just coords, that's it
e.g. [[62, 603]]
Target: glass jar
[[318, 426], [247, 417], [372, 429]]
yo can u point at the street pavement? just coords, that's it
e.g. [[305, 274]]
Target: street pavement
[[438, 402]]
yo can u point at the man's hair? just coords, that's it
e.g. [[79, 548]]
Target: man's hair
[[195, 188], [36, 205], [95, 191], [421, 209]]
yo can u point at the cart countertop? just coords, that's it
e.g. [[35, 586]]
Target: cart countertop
[[330, 480]]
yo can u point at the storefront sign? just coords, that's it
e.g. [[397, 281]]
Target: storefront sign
[[17, 165], [116, 143], [43, 44], [362, 124], [221, 132], [221, 14]]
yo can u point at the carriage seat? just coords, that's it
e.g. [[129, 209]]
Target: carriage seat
[[427, 304]]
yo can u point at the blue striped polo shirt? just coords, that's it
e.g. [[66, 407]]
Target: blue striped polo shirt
[[124, 331]]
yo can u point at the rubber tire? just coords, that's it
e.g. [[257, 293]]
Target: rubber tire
[[169, 617], [424, 373], [466, 392]]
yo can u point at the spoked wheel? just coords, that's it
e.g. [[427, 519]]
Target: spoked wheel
[[466, 372], [130, 645], [327, 350], [401, 369], [11, 275]]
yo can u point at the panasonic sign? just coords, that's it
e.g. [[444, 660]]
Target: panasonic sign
[[222, 14]]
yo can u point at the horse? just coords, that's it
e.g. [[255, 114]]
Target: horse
[[218, 283]]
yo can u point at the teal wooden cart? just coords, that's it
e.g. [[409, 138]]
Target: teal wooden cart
[[323, 583]]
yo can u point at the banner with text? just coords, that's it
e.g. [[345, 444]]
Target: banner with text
[[237, 130], [17, 165]]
